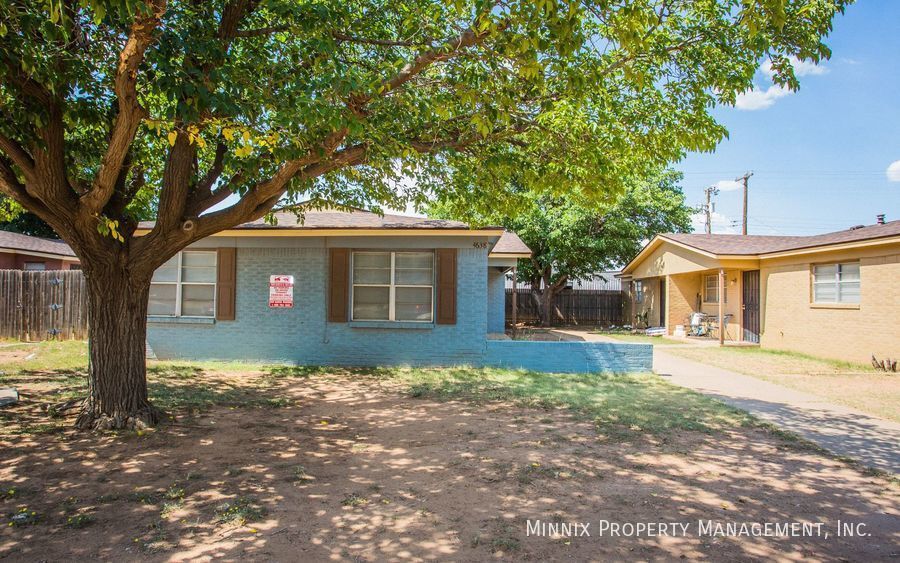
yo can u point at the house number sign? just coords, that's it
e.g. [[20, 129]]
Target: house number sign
[[281, 291]]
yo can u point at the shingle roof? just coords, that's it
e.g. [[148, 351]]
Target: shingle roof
[[756, 244], [510, 243], [25, 243], [353, 220], [330, 219]]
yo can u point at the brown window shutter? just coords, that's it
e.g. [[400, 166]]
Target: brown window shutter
[[446, 286], [338, 284], [226, 283]]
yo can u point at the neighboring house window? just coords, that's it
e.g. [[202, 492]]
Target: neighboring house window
[[185, 286], [836, 283], [711, 289], [35, 266], [393, 286], [638, 292]]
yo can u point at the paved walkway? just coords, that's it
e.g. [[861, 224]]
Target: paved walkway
[[873, 441]]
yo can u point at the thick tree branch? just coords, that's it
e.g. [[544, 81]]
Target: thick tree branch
[[130, 112], [215, 170], [264, 195], [424, 60], [12, 188], [199, 205], [177, 176], [234, 12], [18, 156]]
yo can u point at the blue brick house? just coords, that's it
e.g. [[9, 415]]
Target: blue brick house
[[355, 289]]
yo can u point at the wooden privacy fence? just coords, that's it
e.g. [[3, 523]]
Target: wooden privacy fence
[[577, 306], [43, 305]]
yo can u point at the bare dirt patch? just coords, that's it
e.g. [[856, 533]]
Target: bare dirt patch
[[10, 354], [353, 467]]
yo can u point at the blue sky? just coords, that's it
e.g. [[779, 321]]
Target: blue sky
[[820, 155]]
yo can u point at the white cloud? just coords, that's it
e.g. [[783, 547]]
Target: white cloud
[[728, 185], [721, 224], [893, 171], [761, 98], [801, 68], [758, 98]]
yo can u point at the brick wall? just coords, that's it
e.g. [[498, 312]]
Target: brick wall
[[792, 322], [733, 296], [682, 299], [650, 303], [496, 305], [569, 357], [301, 334], [15, 261]]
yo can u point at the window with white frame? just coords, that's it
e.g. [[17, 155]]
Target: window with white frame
[[35, 266], [711, 289], [836, 283], [185, 286], [393, 286], [638, 291]]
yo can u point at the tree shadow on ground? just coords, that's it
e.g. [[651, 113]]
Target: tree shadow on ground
[[353, 466]]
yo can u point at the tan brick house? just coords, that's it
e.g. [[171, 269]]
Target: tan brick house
[[834, 295]]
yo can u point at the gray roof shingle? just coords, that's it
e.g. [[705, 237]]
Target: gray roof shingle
[[17, 241], [750, 245], [510, 243], [331, 219]]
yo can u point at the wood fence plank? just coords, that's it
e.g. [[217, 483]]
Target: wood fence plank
[[577, 306], [27, 302]]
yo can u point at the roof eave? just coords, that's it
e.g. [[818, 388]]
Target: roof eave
[[648, 248], [347, 231], [510, 255], [39, 254], [830, 247]]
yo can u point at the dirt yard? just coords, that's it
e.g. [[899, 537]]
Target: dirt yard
[[362, 467]]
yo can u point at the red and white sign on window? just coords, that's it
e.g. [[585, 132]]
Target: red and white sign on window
[[281, 291]]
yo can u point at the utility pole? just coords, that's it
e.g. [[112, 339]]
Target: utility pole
[[744, 179], [710, 191]]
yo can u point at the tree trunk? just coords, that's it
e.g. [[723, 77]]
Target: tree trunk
[[117, 370], [546, 307]]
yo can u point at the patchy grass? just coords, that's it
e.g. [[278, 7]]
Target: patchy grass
[[618, 404], [853, 385], [78, 521], [52, 373], [56, 357], [355, 500], [239, 511]]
